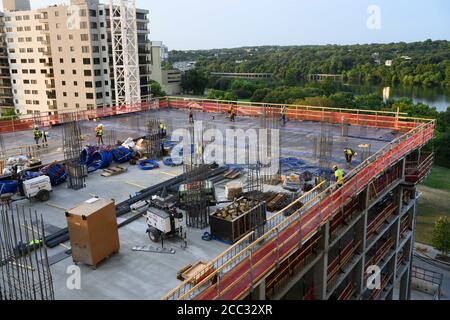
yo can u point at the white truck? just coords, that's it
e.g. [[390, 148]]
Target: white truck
[[38, 188]]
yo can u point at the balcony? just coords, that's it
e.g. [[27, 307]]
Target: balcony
[[380, 219], [344, 256], [49, 75]]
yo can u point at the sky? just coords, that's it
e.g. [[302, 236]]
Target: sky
[[209, 24]]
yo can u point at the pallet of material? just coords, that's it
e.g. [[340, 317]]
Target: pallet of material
[[192, 270], [113, 171], [276, 202], [232, 174]]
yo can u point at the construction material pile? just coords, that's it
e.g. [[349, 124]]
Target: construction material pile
[[236, 220]]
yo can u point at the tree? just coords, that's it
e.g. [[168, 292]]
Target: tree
[[156, 90], [441, 235], [194, 81]]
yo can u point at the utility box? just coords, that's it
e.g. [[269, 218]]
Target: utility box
[[93, 231]]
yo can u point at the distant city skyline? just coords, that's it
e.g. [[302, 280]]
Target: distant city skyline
[[202, 24]]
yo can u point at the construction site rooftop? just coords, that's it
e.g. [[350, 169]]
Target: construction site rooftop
[[140, 275]]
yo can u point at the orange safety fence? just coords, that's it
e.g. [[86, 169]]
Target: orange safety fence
[[370, 118], [27, 122], [262, 256]]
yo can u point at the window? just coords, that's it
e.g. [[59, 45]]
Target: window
[[92, 13], [95, 37], [12, 61], [18, 18], [83, 13], [84, 37], [30, 50], [19, 29], [94, 25], [26, 17], [27, 28], [89, 96], [32, 71], [41, 60], [10, 40], [75, 83], [25, 71], [33, 81], [98, 84], [23, 61], [64, 94], [59, 37], [72, 49], [34, 92], [85, 49], [86, 61], [83, 25], [70, 36], [12, 50], [88, 84], [63, 83], [74, 71], [65, 105], [102, 24], [95, 49], [97, 73], [37, 16], [60, 49], [28, 39], [58, 25], [87, 73], [77, 105], [99, 95], [43, 71], [63, 72], [56, 13], [30, 60], [76, 94], [25, 81], [38, 28]]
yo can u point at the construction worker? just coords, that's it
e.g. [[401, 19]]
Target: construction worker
[[283, 115], [162, 129], [99, 133], [349, 154], [37, 135], [233, 114], [191, 115], [339, 174], [44, 139], [230, 110]]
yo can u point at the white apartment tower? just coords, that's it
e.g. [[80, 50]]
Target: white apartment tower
[[61, 57]]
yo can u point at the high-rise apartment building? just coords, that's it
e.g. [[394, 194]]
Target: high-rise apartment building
[[6, 96], [61, 58]]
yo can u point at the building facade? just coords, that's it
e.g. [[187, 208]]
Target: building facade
[[61, 58], [6, 96], [169, 79]]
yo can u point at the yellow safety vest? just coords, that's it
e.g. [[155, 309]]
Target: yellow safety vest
[[349, 152], [339, 174]]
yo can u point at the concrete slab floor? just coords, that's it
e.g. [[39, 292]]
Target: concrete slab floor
[[138, 275]]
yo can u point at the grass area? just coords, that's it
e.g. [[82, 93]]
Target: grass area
[[434, 203], [439, 179]]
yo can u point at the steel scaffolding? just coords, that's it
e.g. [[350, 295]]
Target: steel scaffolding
[[125, 52], [72, 146]]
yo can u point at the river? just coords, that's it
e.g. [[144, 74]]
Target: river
[[434, 97]]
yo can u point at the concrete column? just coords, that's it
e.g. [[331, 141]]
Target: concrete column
[[259, 293], [320, 270], [404, 286]]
